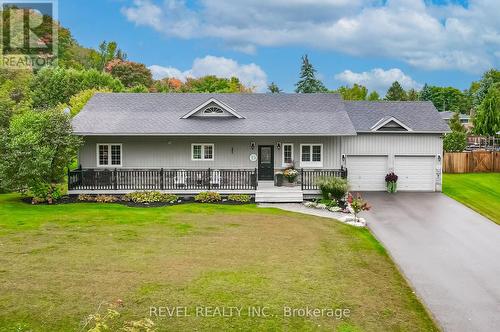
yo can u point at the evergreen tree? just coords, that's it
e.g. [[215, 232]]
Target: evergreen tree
[[373, 96], [395, 92], [455, 124], [412, 95], [308, 82], [274, 88], [426, 93]]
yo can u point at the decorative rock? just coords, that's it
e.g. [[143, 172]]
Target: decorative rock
[[321, 206]]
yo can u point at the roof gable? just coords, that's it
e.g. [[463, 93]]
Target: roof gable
[[417, 116], [213, 108], [390, 124]]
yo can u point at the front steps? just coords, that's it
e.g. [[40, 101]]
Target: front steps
[[267, 193]]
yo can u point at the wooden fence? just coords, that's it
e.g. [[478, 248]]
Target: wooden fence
[[471, 162]]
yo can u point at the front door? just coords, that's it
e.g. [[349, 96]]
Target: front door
[[266, 162]]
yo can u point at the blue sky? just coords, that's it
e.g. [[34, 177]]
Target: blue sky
[[371, 42]]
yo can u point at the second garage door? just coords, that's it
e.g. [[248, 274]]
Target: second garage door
[[416, 173], [367, 173]]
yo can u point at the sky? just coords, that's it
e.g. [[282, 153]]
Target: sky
[[370, 42]]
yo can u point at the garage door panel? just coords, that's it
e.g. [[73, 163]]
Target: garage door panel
[[367, 173], [416, 173]]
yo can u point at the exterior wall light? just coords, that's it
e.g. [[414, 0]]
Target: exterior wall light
[[252, 145], [278, 145]]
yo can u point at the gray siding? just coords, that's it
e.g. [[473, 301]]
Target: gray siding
[[392, 145], [229, 152]]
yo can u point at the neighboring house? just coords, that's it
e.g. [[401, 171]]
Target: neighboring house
[[465, 119], [186, 143]]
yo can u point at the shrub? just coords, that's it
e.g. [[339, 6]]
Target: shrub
[[208, 197], [455, 142], [239, 198], [358, 205], [151, 197], [44, 192], [106, 199], [86, 198], [98, 198], [332, 187]]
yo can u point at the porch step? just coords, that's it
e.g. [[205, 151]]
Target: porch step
[[279, 196]]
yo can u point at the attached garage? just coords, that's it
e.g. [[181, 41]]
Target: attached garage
[[416, 173], [367, 173]]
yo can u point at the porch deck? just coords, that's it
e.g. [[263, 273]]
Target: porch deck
[[193, 181]]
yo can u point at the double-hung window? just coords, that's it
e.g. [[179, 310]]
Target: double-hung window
[[109, 155], [311, 155], [287, 156], [202, 152]]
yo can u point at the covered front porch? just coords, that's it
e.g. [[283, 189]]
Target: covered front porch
[[193, 181]]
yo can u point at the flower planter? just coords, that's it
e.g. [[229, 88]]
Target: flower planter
[[278, 179], [392, 187]]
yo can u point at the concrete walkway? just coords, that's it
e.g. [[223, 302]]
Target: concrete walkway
[[449, 253], [300, 208]]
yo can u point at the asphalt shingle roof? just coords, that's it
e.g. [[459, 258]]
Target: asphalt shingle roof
[[264, 114], [420, 116]]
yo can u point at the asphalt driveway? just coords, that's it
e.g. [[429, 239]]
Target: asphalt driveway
[[449, 253]]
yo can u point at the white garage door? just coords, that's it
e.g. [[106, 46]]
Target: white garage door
[[367, 173], [415, 173]]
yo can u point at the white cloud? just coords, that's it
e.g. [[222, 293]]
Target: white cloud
[[415, 31], [378, 79], [249, 74]]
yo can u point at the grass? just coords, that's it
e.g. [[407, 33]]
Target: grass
[[58, 263], [479, 191]]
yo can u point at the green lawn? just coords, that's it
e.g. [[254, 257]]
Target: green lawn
[[479, 191], [58, 263]]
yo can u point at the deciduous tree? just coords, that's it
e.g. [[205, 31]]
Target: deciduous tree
[[487, 117], [38, 147]]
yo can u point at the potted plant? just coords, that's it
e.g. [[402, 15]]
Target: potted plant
[[278, 178], [391, 181], [290, 174]]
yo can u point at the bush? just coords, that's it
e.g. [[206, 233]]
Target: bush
[[455, 142], [151, 197], [44, 192], [98, 198], [208, 197], [239, 198], [333, 187]]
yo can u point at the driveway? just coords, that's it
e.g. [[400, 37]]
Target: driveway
[[449, 253]]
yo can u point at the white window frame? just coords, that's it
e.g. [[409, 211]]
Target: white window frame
[[283, 163], [203, 145], [311, 163], [109, 145]]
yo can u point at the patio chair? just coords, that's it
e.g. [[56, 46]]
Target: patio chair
[[215, 178], [180, 178]]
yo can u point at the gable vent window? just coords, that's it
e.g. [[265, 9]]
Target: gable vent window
[[213, 110]]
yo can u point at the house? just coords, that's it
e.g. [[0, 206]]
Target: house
[[187, 143], [465, 119]]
